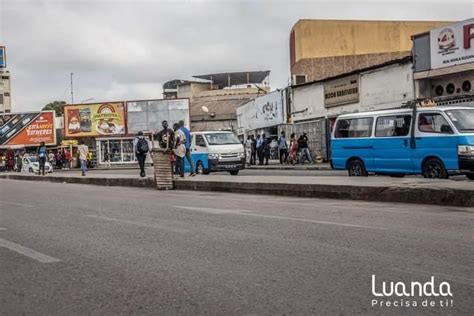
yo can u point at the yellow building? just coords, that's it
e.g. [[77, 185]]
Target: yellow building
[[324, 48]]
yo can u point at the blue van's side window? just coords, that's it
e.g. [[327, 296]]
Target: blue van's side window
[[200, 141], [433, 123], [355, 127], [393, 126]]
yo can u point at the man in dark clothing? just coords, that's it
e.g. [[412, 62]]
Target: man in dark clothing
[[304, 150], [165, 136], [266, 148], [140, 152], [259, 147]]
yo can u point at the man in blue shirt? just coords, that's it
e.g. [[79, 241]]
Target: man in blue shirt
[[187, 144]]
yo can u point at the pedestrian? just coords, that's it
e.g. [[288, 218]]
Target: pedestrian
[[248, 150], [165, 137], [141, 148], [305, 154], [179, 149], [58, 158], [67, 159], [51, 159], [283, 148], [187, 144], [19, 162], [266, 148], [83, 151], [253, 153], [89, 160], [107, 158], [42, 156], [259, 148], [293, 154]]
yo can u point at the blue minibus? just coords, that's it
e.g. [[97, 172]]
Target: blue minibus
[[432, 141]]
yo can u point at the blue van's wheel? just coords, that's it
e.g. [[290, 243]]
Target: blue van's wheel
[[356, 168], [433, 168]]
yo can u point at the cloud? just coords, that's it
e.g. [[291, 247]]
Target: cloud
[[127, 49]]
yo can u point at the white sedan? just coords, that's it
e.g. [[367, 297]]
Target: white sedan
[[31, 164]]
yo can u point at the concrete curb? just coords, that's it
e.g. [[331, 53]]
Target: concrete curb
[[450, 197], [125, 182], [417, 195]]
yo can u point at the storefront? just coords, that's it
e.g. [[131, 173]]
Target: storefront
[[120, 150]]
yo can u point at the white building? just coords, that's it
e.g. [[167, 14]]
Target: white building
[[315, 105], [5, 91]]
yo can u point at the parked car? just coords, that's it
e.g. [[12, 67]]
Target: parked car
[[31, 164], [216, 151], [432, 141]]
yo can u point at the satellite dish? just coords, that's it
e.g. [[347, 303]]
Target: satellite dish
[[205, 109]]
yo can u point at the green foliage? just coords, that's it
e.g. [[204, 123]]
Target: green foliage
[[57, 106]]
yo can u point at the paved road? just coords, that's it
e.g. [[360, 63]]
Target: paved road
[[78, 249]]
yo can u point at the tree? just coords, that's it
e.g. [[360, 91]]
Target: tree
[[57, 106]]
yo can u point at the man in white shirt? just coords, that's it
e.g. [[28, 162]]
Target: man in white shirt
[[83, 151]]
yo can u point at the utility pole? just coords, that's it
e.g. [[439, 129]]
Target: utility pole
[[72, 91]]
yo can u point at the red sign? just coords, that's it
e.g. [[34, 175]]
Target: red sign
[[39, 130]]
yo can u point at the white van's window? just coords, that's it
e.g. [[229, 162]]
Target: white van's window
[[355, 127], [462, 119], [392, 126], [433, 123], [222, 139], [200, 141]]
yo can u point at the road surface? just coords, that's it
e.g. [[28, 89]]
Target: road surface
[[78, 249]]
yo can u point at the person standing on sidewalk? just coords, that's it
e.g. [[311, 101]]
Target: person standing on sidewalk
[[179, 149], [140, 148], [266, 148], [259, 147], [187, 144], [83, 151], [248, 150], [253, 153], [165, 137], [42, 156], [107, 158], [283, 148], [304, 150]]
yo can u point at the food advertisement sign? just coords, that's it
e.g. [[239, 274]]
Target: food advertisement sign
[[452, 45], [27, 129], [100, 119]]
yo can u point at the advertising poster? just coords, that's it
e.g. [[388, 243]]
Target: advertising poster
[[453, 45], [100, 119], [27, 129]]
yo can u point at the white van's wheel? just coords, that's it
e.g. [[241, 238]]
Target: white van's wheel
[[30, 170]]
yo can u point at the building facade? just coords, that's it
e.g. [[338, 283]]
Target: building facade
[[444, 63], [315, 105], [5, 91], [326, 48]]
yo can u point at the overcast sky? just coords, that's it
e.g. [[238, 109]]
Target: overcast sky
[[125, 50]]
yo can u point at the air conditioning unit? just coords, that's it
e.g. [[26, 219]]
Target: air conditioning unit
[[298, 79], [452, 86]]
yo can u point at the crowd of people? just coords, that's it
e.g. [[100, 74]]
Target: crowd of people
[[292, 151]]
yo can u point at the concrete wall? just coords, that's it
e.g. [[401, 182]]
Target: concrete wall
[[325, 48]]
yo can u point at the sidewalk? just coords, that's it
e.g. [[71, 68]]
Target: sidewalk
[[386, 189]]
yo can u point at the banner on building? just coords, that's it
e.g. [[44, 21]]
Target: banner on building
[[27, 129], [452, 45], [3, 57], [341, 91], [147, 115], [98, 119]]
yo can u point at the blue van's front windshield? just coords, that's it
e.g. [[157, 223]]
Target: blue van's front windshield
[[222, 139], [463, 119]]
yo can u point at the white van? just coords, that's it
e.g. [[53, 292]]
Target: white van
[[217, 151]]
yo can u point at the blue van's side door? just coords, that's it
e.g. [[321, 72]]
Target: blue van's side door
[[435, 137], [392, 152]]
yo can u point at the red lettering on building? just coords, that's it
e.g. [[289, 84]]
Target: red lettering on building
[[468, 35]]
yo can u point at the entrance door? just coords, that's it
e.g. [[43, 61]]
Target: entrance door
[[392, 151]]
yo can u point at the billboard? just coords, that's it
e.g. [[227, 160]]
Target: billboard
[[452, 45], [147, 115], [27, 129], [97, 119], [3, 57]]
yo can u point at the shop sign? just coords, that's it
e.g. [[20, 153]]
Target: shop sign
[[452, 45], [69, 142], [27, 129], [341, 91], [94, 119]]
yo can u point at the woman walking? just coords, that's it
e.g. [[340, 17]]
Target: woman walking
[[293, 155], [42, 154]]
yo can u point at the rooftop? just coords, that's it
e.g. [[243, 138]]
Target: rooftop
[[236, 78]]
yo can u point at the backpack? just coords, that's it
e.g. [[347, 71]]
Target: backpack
[[142, 146]]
